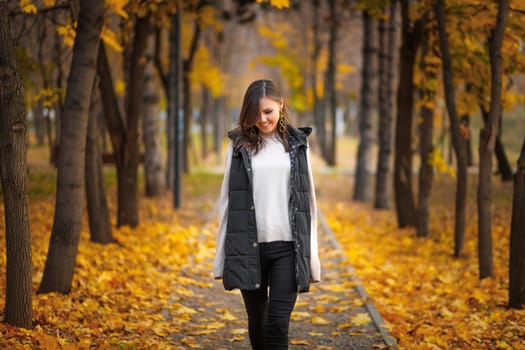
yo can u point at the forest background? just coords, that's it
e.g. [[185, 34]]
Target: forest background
[[415, 104]]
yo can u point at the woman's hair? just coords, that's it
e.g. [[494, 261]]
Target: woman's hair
[[247, 134]]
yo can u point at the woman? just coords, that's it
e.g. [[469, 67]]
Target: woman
[[267, 237]]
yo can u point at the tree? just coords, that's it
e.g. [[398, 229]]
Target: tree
[[456, 128], [124, 132], [487, 144], [517, 237], [410, 40], [98, 213], [427, 92], [153, 172], [330, 85], [387, 35], [18, 297], [63, 244], [362, 188]]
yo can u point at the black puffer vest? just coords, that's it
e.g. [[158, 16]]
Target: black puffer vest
[[241, 265]]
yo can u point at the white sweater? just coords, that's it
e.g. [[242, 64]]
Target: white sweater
[[271, 193]]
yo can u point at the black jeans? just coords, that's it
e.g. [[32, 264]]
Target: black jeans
[[269, 307]]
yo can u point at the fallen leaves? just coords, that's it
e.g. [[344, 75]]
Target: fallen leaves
[[430, 299]]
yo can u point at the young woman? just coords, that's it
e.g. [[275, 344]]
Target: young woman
[[267, 237]]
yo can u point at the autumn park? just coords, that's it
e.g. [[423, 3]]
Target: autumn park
[[114, 117]]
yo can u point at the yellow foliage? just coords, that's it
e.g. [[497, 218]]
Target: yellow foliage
[[207, 73], [208, 18], [437, 161], [429, 299], [68, 33], [110, 39], [120, 87], [27, 6], [118, 6], [280, 4]]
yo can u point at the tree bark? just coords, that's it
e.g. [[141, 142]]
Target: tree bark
[[330, 85], [426, 171], [63, 245], [387, 38], [487, 143], [458, 140], [205, 110], [127, 174], [13, 170], [517, 237], [174, 92], [503, 164], [98, 213], [404, 198], [187, 104], [362, 186], [153, 172], [319, 120]]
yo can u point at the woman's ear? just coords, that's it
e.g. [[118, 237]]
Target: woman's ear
[[281, 104]]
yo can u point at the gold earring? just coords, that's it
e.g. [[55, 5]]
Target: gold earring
[[282, 125]]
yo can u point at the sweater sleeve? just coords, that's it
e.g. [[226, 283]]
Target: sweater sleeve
[[315, 264], [218, 264]]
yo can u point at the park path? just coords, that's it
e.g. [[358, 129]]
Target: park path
[[336, 314]]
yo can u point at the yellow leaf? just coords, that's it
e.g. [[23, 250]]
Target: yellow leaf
[[110, 39], [30, 8], [299, 342], [320, 321], [120, 87], [238, 331], [360, 319]]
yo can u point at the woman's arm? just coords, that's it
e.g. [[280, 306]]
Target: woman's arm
[[315, 264], [218, 264]]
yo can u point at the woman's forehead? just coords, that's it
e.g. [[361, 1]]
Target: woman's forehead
[[266, 102]]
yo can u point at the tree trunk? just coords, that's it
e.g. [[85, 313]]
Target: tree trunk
[[362, 186], [174, 92], [504, 168], [387, 37], [63, 245], [18, 297], [458, 140], [426, 171], [330, 85], [465, 120], [165, 80], [319, 119], [153, 172], [187, 104], [404, 198], [517, 237], [98, 213], [127, 174], [487, 142], [205, 110]]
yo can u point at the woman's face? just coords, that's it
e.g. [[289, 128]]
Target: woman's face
[[268, 115]]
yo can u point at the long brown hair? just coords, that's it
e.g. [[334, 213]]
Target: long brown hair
[[247, 134]]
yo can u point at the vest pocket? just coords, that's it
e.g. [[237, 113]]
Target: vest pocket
[[236, 244]]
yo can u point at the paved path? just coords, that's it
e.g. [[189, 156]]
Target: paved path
[[336, 314]]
